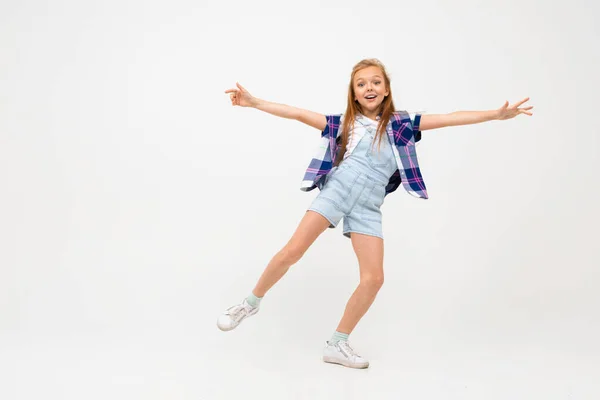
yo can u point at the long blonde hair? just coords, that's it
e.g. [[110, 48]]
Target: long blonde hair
[[386, 108]]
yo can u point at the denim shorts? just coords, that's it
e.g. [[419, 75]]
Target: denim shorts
[[352, 193]]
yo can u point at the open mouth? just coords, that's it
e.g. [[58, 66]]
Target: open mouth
[[371, 97]]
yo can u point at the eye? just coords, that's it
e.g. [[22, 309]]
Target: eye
[[360, 84], [378, 82]]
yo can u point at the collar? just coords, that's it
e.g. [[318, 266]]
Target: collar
[[360, 117]]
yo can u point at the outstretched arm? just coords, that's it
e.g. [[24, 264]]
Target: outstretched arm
[[433, 121], [241, 97]]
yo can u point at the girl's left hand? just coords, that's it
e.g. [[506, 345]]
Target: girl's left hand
[[508, 112]]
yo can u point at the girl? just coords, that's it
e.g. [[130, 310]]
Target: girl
[[353, 178]]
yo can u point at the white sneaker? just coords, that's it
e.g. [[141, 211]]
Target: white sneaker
[[234, 315], [342, 353]]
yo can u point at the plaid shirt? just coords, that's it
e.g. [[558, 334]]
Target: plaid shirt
[[403, 130]]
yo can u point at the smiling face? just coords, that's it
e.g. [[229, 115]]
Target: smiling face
[[370, 90]]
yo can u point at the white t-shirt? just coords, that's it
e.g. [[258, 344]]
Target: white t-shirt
[[362, 126]]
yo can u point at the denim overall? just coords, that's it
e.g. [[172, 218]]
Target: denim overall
[[355, 189]]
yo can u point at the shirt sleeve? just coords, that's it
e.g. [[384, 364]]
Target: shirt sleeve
[[415, 120], [333, 123], [325, 132]]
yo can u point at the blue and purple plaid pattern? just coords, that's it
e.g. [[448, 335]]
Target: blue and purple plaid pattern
[[403, 130]]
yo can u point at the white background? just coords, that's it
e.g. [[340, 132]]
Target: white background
[[137, 203]]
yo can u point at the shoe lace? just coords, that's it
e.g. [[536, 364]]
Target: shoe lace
[[236, 311], [345, 347]]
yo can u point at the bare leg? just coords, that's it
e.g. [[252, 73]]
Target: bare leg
[[310, 227], [369, 251]]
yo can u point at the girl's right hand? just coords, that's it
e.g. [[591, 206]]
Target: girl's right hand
[[241, 97]]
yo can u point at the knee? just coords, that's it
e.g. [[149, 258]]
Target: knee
[[372, 281], [291, 254]]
